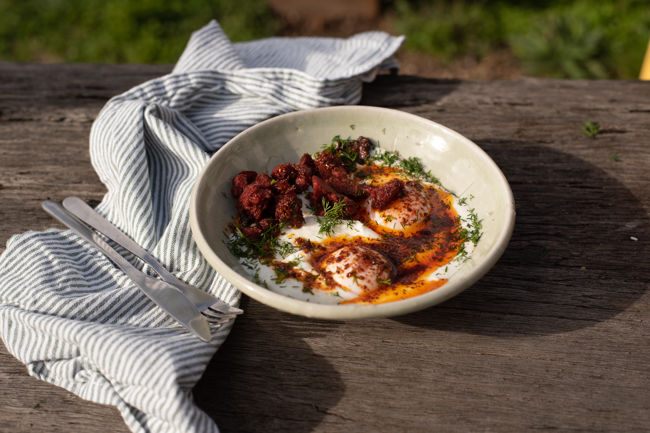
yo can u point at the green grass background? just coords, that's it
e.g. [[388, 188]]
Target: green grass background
[[559, 38]]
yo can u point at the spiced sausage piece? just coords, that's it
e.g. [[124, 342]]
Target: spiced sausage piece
[[382, 196], [346, 187], [254, 200], [241, 181], [326, 163], [288, 209], [323, 190], [307, 160], [362, 148], [305, 172], [285, 171]]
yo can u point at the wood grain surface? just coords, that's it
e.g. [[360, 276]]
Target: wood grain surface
[[555, 337]]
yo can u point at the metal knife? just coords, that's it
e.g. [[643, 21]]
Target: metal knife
[[200, 298], [166, 296]]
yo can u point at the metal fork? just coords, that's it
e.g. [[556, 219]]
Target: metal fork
[[214, 309]]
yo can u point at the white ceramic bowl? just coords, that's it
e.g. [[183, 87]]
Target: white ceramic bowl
[[462, 167]]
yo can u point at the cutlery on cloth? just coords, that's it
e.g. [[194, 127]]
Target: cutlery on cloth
[[166, 296], [210, 306]]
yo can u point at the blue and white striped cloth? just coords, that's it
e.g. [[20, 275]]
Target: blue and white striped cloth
[[78, 322]]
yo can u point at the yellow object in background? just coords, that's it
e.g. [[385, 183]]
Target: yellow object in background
[[645, 68]]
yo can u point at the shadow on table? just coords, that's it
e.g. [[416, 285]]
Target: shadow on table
[[266, 377], [570, 264]]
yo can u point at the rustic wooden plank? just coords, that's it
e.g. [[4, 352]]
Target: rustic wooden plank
[[555, 336], [46, 112]]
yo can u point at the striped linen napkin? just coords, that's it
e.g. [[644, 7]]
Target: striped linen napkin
[[77, 321]]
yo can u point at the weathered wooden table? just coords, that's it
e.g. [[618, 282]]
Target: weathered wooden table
[[555, 336]]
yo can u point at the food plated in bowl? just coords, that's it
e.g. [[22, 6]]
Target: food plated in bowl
[[446, 192], [354, 224]]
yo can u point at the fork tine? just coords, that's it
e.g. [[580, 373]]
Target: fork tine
[[214, 320], [232, 312], [209, 313]]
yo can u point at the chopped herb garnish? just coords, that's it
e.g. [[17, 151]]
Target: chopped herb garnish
[[256, 280], [352, 127], [281, 273], [333, 215], [263, 248], [224, 194], [473, 234], [386, 157], [348, 157], [361, 175], [383, 131], [614, 157], [414, 167], [286, 249], [384, 282]]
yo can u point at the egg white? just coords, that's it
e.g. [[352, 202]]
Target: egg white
[[403, 212]]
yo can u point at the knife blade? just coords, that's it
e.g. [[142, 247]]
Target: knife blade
[[166, 296], [200, 298]]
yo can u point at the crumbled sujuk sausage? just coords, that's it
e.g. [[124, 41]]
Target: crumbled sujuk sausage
[[241, 181]]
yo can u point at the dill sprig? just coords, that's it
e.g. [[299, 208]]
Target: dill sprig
[[263, 248], [355, 278], [386, 157], [258, 281], [414, 167], [349, 157], [472, 233], [333, 215], [341, 148]]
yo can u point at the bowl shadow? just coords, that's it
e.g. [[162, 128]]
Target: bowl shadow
[[571, 262], [266, 377]]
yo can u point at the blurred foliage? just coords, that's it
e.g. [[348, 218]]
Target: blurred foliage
[[559, 39], [112, 31], [448, 29], [551, 38]]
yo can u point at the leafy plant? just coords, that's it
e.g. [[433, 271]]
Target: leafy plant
[[448, 29], [109, 31], [556, 38], [563, 47], [614, 157], [591, 129]]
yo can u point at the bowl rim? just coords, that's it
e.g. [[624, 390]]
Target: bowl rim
[[353, 311]]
